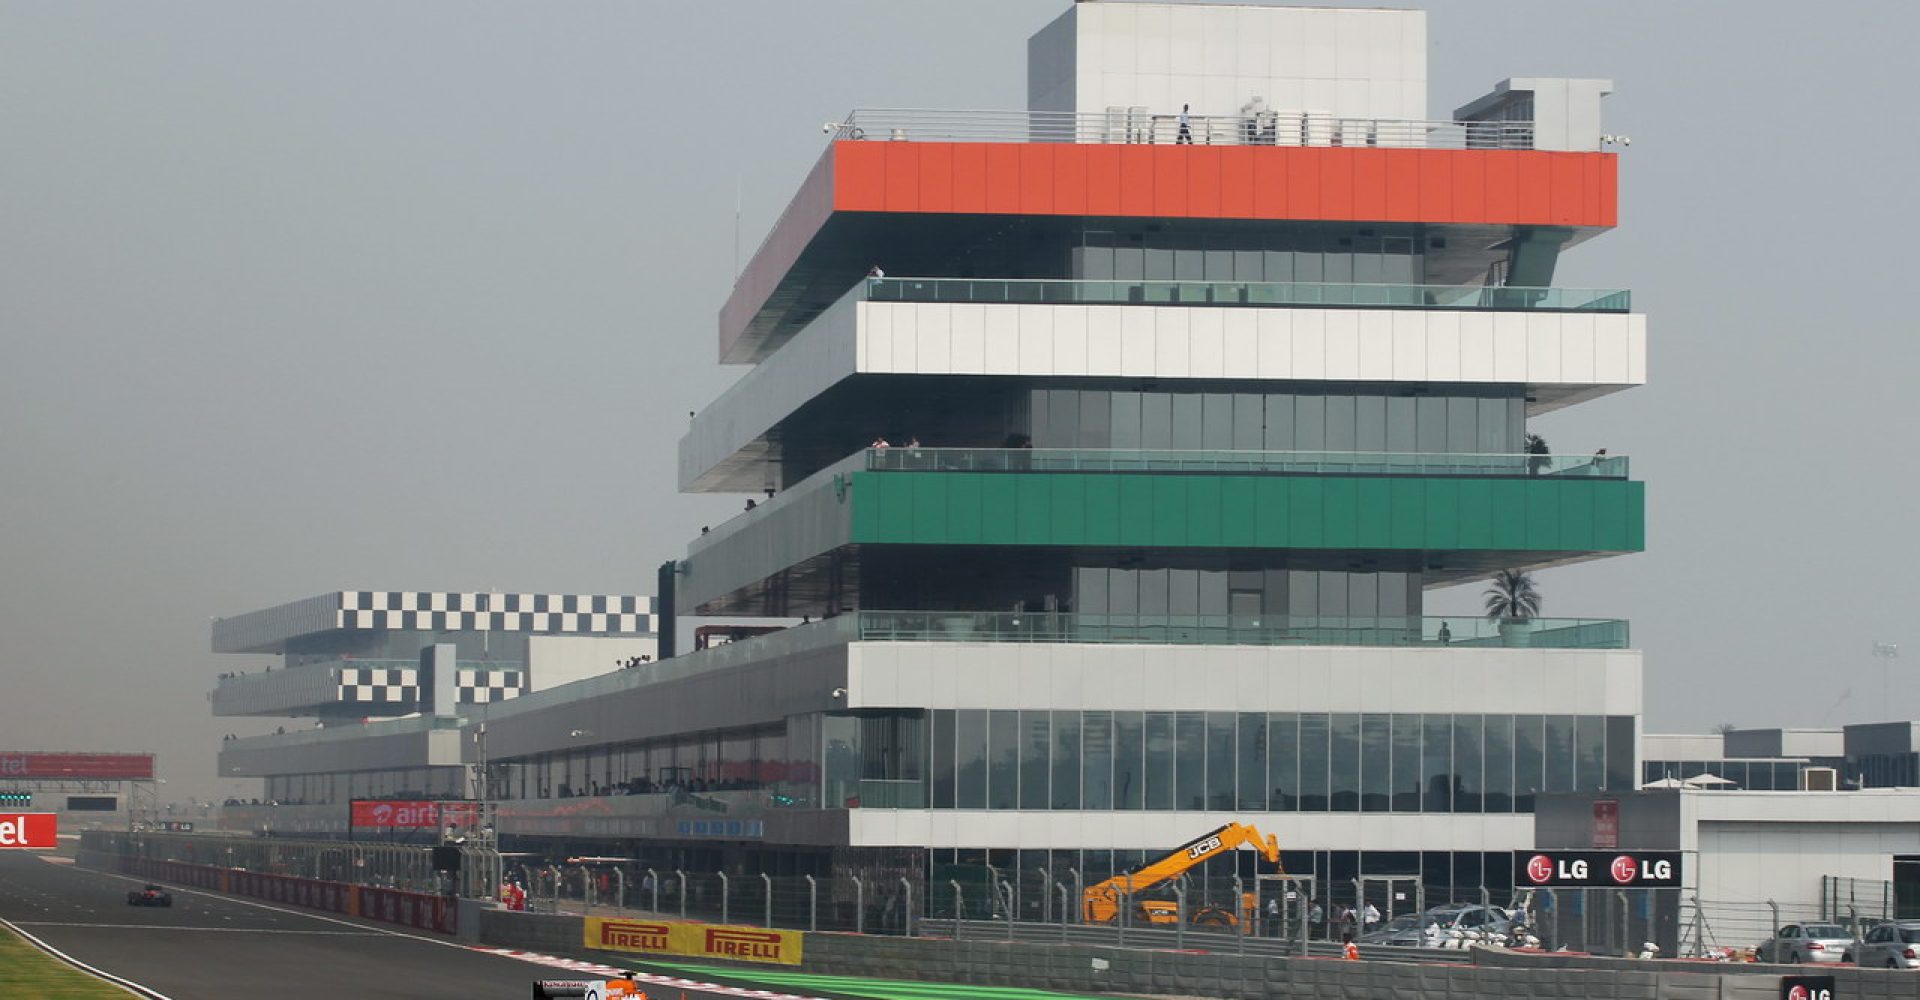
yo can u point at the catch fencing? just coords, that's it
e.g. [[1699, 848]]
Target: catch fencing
[[405, 868]]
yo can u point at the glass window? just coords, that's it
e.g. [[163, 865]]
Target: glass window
[[1190, 760], [1468, 745], [1436, 762], [1096, 420], [1130, 263], [1590, 753], [1310, 423], [1090, 590], [1560, 753], [1341, 433], [1283, 761], [1402, 425], [1344, 758], [1003, 774], [1221, 756], [1303, 593], [1213, 593], [1159, 776], [1406, 762], [1189, 265], [1529, 755], [1129, 757], [1249, 420], [1363, 595], [970, 756], [1063, 421], [1123, 591], [1096, 741], [1036, 760], [1397, 599], [1216, 421], [1313, 762], [1126, 419], [1066, 760], [1463, 424], [1620, 753], [1251, 761], [1376, 762], [1187, 413], [1183, 592], [1370, 423], [1153, 591], [1279, 432], [1499, 763], [1156, 421], [1430, 424], [1277, 265], [1333, 594]]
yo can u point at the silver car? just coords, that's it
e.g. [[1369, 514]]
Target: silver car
[[1890, 946], [1798, 943]]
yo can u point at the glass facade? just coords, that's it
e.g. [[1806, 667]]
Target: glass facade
[[1752, 775], [1272, 761], [1304, 253], [1453, 420]]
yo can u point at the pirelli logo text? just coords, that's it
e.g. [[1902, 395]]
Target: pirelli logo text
[[673, 937], [632, 935], [747, 946]]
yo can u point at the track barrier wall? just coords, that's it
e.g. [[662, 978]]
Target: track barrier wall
[[416, 910]]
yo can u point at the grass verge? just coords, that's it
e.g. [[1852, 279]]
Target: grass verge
[[26, 971]]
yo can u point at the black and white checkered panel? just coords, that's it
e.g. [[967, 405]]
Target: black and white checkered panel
[[381, 687], [486, 686], [551, 614]]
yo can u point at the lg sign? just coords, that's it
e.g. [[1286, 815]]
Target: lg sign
[[1589, 869], [29, 830], [1806, 988]]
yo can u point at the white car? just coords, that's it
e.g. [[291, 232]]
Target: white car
[[1798, 943]]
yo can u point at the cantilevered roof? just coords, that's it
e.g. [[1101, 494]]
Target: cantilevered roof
[[270, 629]]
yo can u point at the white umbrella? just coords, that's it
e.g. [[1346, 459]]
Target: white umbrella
[[1707, 780]]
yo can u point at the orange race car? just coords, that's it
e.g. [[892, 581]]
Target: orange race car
[[590, 989]]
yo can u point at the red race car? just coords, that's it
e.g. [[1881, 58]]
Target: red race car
[[151, 895]]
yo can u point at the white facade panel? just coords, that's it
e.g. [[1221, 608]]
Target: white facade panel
[[1159, 831], [1119, 677], [1564, 356]]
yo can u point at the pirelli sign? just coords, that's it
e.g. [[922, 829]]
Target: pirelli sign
[[674, 937]]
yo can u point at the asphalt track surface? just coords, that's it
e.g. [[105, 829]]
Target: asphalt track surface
[[211, 947]]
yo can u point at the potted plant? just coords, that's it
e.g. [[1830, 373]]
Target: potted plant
[[1514, 602], [1539, 456]]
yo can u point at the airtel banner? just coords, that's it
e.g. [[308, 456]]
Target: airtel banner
[[38, 831], [1597, 869], [412, 815], [99, 766]]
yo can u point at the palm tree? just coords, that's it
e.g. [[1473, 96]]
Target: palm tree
[[1539, 456], [1512, 596]]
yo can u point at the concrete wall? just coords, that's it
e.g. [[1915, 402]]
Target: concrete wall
[[553, 660], [1094, 969]]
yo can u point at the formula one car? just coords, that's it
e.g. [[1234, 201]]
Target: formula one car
[[589, 989], [151, 895]]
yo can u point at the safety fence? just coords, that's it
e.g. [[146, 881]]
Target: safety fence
[[462, 870], [418, 910]]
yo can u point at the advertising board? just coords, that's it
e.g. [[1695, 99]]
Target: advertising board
[[695, 940]]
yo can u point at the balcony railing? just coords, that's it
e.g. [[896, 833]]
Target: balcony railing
[[1278, 127], [1239, 630], [1050, 291], [903, 459]]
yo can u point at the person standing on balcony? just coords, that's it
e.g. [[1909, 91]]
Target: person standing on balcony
[[876, 272], [1186, 125]]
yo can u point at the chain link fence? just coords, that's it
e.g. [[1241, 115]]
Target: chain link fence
[[474, 870]]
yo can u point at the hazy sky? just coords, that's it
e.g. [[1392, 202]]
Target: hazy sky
[[306, 297]]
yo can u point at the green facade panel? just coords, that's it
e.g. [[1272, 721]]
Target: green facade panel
[[1214, 511]]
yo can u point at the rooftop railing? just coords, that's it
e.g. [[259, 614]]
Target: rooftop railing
[[1240, 630], [917, 459], [1094, 291], [1276, 127]]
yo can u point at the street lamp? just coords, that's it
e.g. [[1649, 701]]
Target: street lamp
[[1886, 653]]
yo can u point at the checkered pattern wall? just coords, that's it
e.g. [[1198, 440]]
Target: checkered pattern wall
[[267, 631], [399, 687]]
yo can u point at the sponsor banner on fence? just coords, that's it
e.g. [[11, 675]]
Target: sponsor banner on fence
[[408, 814], [99, 766], [673, 937], [36, 831], [1597, 869]]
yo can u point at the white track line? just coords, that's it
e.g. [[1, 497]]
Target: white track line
[[149, 993], [188, 927]]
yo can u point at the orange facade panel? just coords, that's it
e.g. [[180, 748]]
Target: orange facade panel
[[1332, 183]]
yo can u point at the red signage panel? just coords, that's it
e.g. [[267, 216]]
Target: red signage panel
[[407, 814], [98, 766], [37, 831], [1606, 824]]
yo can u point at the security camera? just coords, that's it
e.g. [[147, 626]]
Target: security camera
[[829, 127], [839, 692]]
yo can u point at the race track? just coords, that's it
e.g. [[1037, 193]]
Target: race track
[[210, 947]]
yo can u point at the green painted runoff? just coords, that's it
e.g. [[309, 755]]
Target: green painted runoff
[[853, 986]]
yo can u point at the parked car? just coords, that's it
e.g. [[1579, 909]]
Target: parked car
[[1889, 945], [1797, 943], [1401, 932], [1470, 917]]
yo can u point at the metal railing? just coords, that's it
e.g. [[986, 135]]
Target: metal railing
[[1238, 630], [1340, 295], [922, 459], [386, 866], [1277, 127]]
